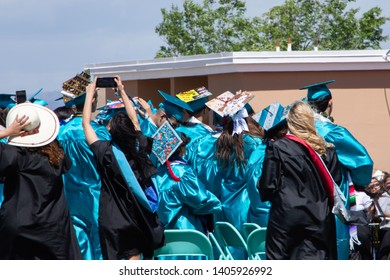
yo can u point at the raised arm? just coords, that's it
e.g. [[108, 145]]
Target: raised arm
[[128, 104], [90, 134]]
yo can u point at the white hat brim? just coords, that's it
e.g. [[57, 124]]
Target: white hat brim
[[48, 128]]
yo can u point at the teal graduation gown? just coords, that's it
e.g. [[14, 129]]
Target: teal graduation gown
[[229, 185], [82, 185], [186, 203], [356, 164]]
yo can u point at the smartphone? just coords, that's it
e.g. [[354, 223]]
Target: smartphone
[[106, 82], [21, 96]]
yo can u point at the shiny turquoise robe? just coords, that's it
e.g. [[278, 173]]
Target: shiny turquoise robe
[[259, 210], [196, 130], [183, 204], [240, 201], [82, 185], [355, 160], [148, 128]]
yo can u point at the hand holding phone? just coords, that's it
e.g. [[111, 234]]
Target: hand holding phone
[[106, 82], [21, 96]]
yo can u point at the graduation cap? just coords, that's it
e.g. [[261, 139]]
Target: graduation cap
[[37, 101], [272, 116], [228, 104], [73, 90], [7, 100], [109, 110], [316, 91], [173, 106], [195, 98]]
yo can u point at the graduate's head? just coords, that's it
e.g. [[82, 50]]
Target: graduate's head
[[319, 96]]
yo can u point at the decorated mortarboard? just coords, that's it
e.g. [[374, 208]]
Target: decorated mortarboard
[[7, 100], [316, 91], [272, 116], [109, 110], [73, 90], [173, 106], [228, 104], [165, 142], [194, 98]]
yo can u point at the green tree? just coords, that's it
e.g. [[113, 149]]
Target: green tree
[[210, 27], [327, 23], [221, 26]]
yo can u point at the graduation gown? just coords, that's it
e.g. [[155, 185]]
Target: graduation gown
[[187, 203], [356, 164], [301, 224], [228, 185], [122, 218], [82, 184], [34, 217]]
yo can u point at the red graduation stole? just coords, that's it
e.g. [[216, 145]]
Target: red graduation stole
[[326, 178]]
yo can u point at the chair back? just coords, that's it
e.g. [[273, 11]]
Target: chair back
[[218, 251], [247, 228], [185, 243], [230, 237], [256, 244]]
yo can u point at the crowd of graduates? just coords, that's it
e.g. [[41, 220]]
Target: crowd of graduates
[[114, 197]]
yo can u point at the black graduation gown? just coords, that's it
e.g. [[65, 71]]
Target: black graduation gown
[[123, 221], [34, 217], [301, 224]]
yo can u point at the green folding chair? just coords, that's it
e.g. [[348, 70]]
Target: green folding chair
[[231, 239], [247, 228], [256, 244], [184, 244], [218, 251]]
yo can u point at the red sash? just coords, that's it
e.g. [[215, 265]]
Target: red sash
[[326, 178]]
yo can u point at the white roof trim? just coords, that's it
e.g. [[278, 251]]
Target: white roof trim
[[235, 62]]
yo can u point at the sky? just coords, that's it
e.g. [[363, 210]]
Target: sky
[[43, 43]]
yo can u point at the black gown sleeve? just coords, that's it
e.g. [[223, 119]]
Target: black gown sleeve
[[333, 164], [8, 159], [271, 174]]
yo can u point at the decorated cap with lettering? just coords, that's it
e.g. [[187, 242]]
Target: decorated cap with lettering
[[319, 90], [73, 90], [195, 99]]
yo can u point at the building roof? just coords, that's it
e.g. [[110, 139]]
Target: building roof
[[235, 62]]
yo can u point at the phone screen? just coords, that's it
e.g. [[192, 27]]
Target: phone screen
[[106, 82], [21, 96]]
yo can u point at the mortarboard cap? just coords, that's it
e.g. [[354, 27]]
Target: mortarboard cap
[[37, 101], [272, 116], [73, 90], [316, 91], [194, 98], [7, 100], [228, 104], [173, 106]]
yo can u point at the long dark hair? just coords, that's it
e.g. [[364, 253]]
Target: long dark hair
[[134, 145], [53, 151], [230, 148]]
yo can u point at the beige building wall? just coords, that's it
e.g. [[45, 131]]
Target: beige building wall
[[361, 97]]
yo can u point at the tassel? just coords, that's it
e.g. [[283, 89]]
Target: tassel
[[174, 177]]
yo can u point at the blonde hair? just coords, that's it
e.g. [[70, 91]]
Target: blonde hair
[[300, 123]]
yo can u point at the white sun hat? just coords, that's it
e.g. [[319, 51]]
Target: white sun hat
[[41, 118]]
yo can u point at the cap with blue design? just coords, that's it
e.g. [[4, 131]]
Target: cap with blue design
[[272, 116], [319, 90]]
